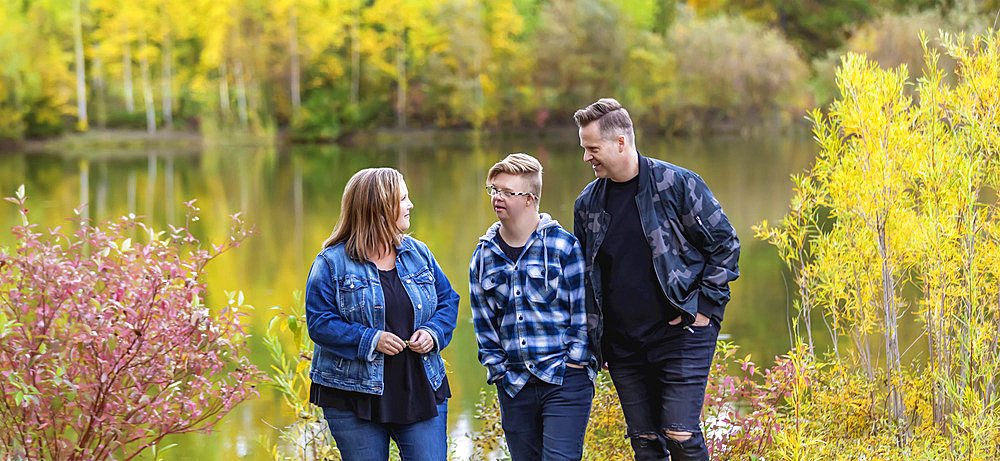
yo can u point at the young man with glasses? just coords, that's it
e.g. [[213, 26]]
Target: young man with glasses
[[526, 284], [660, 254]]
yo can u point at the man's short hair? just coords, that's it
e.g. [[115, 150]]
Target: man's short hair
[[520, 165], [612, 117]]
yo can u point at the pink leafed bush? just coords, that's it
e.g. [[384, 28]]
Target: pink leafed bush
[[105, 344], [742, 414]]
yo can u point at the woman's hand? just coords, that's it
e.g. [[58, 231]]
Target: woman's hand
[[389, 344], [421, 342]]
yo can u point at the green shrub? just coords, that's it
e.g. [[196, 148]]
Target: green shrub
[[730, 72]]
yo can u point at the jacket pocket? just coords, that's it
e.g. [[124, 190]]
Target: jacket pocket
[[352, 294], [541, 285], [423, 281], [493, 277], [708, 234]]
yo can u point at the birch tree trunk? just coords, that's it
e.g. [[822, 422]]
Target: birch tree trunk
[[293, 46], [147, 90], [100, 89], [241, 93], [81, 71], [401, 82], [127, 74], [224, 90], [892, 356], [355, 53], [168, 103]]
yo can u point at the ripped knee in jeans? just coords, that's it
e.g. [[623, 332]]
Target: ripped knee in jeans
[[679, 436]]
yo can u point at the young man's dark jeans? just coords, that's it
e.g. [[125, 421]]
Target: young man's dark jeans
[[665, 392], [547, 422]]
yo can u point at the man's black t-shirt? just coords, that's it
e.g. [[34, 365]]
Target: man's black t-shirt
[[512, 252], [636, 312]]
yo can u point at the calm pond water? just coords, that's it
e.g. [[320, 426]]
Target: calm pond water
[[292, 195]]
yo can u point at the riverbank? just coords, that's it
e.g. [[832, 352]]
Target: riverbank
[[126, 143]]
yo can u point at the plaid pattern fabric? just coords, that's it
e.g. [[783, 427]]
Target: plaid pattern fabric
[[529, 314]]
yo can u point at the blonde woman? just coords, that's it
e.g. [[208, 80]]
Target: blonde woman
[[380, 311]]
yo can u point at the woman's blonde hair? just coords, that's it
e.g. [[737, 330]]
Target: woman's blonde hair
[[368, 213]]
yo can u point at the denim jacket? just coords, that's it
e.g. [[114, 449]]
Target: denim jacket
[[345, 315], [695, 248], [529, 314]]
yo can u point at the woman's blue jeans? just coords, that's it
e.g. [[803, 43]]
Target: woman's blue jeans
[[360, 440]]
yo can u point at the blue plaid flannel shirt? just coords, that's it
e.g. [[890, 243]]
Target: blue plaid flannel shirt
[[529, 314]]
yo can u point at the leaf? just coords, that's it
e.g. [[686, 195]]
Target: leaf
[[293, 323], [301, 366], [20, 192]]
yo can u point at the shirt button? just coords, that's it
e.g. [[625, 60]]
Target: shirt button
[[517, 292], [523, 342], [530, 366], [520, 317]]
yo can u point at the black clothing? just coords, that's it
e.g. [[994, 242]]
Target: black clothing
[[512, 252], [407, 396], [636, 311]]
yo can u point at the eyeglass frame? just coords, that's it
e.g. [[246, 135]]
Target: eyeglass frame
[[491, 190]]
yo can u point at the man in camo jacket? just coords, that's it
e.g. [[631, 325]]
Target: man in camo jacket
[[659, 255]]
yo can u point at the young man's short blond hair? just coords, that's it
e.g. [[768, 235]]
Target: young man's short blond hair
[[522, 165]]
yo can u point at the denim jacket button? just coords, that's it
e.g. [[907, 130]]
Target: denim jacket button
[[418, 306]]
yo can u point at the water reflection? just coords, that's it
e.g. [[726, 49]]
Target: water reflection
[[292, 196]]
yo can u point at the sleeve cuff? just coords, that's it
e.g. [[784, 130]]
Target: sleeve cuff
[[434, 336], [366, 350], [495, 372], [710, 309], [578, 356]]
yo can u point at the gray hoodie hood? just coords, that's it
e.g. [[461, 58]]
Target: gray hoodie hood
[[545, 222]]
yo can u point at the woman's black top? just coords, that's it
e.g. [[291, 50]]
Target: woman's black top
[[407, 396]]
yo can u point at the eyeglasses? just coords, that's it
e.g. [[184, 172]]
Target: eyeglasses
[[491, 191]]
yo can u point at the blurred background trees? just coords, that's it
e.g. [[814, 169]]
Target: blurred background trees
[[321, 69]]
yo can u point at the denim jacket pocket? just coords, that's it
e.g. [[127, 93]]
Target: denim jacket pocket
[[423, 280], [352, 292], [540, 284]]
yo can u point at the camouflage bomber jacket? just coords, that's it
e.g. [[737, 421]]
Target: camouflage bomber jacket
[[695, 248]]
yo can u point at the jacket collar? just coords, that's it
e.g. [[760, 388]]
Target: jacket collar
[[601, 185], [643, 175], [405, 244]]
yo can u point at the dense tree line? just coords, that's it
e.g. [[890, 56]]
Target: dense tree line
[[323, 68]]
